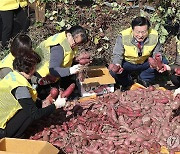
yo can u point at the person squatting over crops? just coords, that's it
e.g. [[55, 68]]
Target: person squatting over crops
[[174, 69], [58, 53], [132, 49], [20, 45], [8, 10], [18, 98]]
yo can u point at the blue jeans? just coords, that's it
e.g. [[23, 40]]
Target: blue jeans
[[145, 72]]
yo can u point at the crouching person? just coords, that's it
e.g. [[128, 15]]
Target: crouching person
[[18, 99]]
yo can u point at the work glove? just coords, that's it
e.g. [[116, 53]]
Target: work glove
[[176, 92], [60, 102], [75, 69]]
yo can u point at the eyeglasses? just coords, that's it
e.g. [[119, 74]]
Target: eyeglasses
[[141, 32]]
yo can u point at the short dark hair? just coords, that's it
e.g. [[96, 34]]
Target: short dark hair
[[21, 43], [140, 21], [27, 62], [74, 30]]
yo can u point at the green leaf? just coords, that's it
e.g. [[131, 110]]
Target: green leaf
[[105, 38], [62, 23], [157, 26], [31, 1], [162, 39], [164, 31], [54, 12], [106, 46], [51, 18], [96, 40], [114, 4], [100, 49]]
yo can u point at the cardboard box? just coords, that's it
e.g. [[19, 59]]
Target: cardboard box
[[25, 146], [98, 81]]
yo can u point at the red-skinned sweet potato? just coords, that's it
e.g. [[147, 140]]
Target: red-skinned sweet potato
[[177, 71], [68, 91], [54, 92], [53, 95], [152, 62], [84, 55], [159, 61], [84, 61]]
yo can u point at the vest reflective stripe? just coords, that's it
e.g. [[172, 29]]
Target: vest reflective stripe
[[7, 61], [44, 51], [8, 104], [131, 51], [12, 4]]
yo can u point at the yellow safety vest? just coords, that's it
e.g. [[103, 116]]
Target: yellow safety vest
[[12, 4], [8, 104], [7, 61], [131, 51], [44, 51]]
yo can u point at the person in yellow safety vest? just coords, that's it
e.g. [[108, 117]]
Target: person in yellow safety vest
[[132, 49], [58, 53], [8, 10], [21, 44], [18, 98]]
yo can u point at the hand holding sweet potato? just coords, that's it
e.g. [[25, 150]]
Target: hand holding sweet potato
[[156, 63], [115, 68], [177, 71], [84, 58]]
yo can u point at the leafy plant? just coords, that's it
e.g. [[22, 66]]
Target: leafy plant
[[166, 18]]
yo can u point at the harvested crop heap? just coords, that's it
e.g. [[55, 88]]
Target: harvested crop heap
[[121, 122]]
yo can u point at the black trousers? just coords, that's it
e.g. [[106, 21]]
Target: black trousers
[[17, 125], [175, 80], [13, 22]]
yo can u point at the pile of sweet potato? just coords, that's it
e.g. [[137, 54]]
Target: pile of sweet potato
[[121, 123]]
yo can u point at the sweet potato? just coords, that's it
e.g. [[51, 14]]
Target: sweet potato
[[162, 100], [68, 149], [177, 71], [159, 61], [47, 80], [54, 92], [84, 55], [152, 62], [68, 91], [84, 61]]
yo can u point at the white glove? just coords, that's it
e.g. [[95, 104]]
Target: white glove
[[60, 102], [177, 91], [75, 69]]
